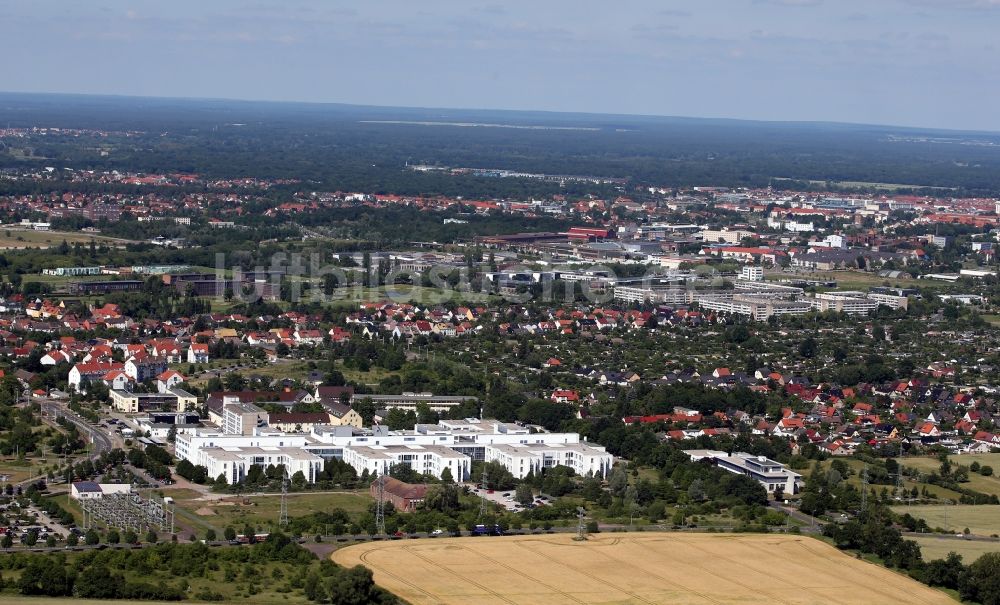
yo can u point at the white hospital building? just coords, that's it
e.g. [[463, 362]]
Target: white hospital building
[[428, 448]]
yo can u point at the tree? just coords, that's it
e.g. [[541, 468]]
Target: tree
[[91, 537], [696, 491], [808, 348], [96, 583], [618, 480], [113, 536], [130, 537], [945, 572], [250, 533], [524, 494], [229, 533], [151, 536], [352, 586], [210, 535], [442, 497], [446, 476], [981, 581]]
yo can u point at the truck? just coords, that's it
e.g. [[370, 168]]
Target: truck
[[487, 530]]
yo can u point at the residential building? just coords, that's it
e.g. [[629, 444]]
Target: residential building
[[239, 418], [752, 273]]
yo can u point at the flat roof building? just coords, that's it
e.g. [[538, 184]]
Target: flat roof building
[[772, 475]]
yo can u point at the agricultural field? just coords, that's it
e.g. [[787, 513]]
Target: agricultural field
[[932, 547], [977, 482], [631, 568], [982, 520]]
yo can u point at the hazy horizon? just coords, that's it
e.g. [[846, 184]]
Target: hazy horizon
[[233, 100], [909, 63]]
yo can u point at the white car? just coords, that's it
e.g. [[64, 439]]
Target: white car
[[437, 532]]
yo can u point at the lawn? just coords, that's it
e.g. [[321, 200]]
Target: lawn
[[15, 470], [932, 547], [868, 185], [981, 520], [404, 294], [977, 482], [261, 510], [19, 238], [372, 377], [631, 568], [849, 280], [281, 369]]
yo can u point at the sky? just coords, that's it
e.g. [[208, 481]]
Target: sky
[[928, 63]]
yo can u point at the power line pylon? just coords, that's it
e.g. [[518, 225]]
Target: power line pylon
[[864, 488], [483, 508], [283, 511], [380, 505]]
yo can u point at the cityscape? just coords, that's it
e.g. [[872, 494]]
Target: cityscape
[[355, 344]]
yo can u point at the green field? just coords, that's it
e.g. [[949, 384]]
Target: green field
[[19, 470], [846, 280], [977, 482], [867, 185], [20, 238], [259, 510], [981, 520], [372, 376], [196, 513], [935, 491], [403, 294], [938, 548], [296, 370]]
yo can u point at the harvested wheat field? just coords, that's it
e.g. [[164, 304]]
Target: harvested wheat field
[[670, 568]]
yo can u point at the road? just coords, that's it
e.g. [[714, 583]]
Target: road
[[810, 524], [102, 442], [54, 408]]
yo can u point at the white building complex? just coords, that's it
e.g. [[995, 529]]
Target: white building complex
[[856, 303], [428, 448]]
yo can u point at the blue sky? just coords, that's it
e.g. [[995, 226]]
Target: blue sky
[[929, 63]]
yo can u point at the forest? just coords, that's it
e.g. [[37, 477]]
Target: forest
[[353, 148]]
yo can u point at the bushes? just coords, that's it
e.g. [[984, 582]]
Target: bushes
[[102, 574]]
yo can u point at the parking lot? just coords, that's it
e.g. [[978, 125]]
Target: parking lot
[[505, 498]]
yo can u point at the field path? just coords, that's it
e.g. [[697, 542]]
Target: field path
[[647, 568]]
